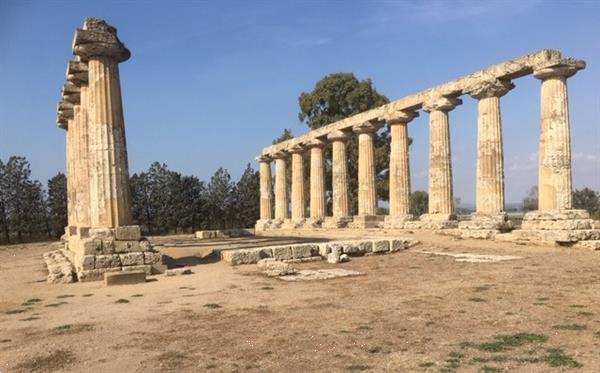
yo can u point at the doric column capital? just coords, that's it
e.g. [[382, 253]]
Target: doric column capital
[[316, 143], [442, 103], [490, 88], [565, 68], [77, 73], [297, 149], [370, 126], [99, 39], [401, 116], [280, 155], [263, 159], [71, 93], [65, 113], [338, 136]]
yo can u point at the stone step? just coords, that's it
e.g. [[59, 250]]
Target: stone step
[[592, 245]]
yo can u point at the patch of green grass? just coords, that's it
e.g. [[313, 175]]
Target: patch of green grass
[[137, 295], [357, 368], [577, 306], [364, 327], [585, 313], [487, 369], [479, 289], [506, 342], [557, 358], [65, 296], [58, 304], [32, 301], [31, 318], [5, 340], [476, 299], [575, 327], [73, 328], [212, 305], [427, 364], [374, 349], [12, 312], [267, 288], [87, 295], [539, 304], [121, 300]]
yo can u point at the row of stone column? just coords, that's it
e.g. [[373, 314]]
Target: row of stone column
[[554, 161], [91, 113]]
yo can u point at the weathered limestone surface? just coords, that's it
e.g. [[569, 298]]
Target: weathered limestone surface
[[555, 136], [317, 181], [341, 206], [399, 170], [298, 193], [281, 199], [441, 204], [266, 193]]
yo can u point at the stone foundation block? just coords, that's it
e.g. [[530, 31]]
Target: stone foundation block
[[178, 271], [158, 268], [128, 233], [590, 245], [91, 246], [304, 251], [124, 278], [127, 246], [397, 221], [365, 222], [365, 247], [102, 233], [275, 268], [245, 256], [95, 274], [88, 262], [324, 249], [557, 215], [381, 246], [573, 224], [132, 259], [335, 222], [83, 232], [152, 258], [147, 269], [107, 261], [282, 252]]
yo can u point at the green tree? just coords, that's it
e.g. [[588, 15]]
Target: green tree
[[247, 198], [587, 199], [3, 206], [419, 203], [338, 96], [220, 198], [57, 204], [530, 202]]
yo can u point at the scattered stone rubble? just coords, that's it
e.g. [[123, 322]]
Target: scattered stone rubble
[[60, 270], [321, 250], [225, 233], [274, 268]]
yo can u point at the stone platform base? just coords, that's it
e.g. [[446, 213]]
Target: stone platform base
[[91, 252], [333, 222], [224, 233], [572, 228], [433, 222], [367, 221], [397, 221]]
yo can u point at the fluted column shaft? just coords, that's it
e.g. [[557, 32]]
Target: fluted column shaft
[[110, 203], [555, 138], [490, 156], [281, 199], [82, 160], [341, 205], [71, 144], [440, 161], [298, 200], [266, 194], [367, 194], [317, 180], [399, 165]]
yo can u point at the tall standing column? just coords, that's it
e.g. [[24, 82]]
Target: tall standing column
[[98, 45], [339, 180], [281, 199], [317, 181], [266, 191], [399, 170], [298, 194], [77, 73], [367, 194], [441, 206], [555, 136], [66, 116]]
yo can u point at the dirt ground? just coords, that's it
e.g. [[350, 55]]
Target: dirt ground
[[409, 311]]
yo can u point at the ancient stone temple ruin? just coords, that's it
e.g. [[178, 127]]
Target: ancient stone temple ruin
[[554, 221], [100, 236]]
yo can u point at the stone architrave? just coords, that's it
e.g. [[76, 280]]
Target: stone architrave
[[490, 213], [367, 194], [339, 175], [317, 182], [281, 199], [399, 210], [77, 74], [441, 204], [266, 193], [554, 185], [298, 192], [98, 45]]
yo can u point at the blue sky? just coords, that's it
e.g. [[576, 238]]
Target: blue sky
[[210, 84]]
